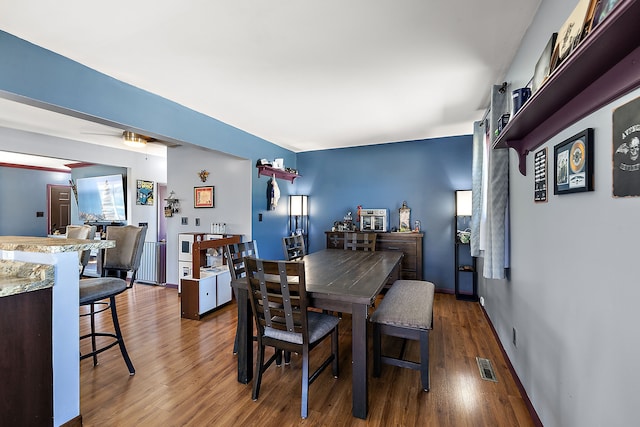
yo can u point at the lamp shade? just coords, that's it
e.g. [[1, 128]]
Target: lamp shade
[[298, 205], [463, 203]]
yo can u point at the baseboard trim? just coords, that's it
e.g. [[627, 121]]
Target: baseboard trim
[[532, 411]]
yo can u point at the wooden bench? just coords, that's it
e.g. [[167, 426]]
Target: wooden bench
[[406, 311]]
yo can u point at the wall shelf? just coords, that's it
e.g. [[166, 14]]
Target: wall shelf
[[278, 173], [604, 67]]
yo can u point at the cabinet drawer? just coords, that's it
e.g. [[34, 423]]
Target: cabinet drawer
[[224, 288], [409, 248], [207, 295]]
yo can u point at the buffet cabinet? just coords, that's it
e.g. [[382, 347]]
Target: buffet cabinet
[[408, 243], [202, 295]]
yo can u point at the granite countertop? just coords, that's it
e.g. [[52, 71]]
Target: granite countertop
[[51, 244], [17, 277]]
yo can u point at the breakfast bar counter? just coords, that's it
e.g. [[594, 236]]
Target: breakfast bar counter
[[39, 325]]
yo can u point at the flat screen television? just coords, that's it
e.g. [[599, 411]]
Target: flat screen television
[[101, 199]]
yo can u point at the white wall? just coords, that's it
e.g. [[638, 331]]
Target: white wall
[[139, 165], [231, 178], [573, 290]]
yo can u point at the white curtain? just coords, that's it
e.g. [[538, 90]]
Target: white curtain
[[490, 221]]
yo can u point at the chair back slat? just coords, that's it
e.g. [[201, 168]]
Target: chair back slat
[[278, 294], [360, 241], [235, 253], [293, 247]]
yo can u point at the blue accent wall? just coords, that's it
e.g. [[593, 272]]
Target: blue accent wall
[[25, 191], [423, 173], [43, 78]]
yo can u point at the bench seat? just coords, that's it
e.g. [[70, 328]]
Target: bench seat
[[406, 311]]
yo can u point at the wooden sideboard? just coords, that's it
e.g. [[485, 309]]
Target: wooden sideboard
[[409, 243]]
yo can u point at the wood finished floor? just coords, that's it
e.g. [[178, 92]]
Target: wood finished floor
[[186, 375]]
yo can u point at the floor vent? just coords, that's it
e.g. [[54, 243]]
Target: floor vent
[[486, 370]]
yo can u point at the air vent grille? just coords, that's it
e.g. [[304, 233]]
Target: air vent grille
[[486, 370]]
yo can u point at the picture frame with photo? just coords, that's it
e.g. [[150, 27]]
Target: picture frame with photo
[[573, 164], [203, 197], [602, 10], [543, 66], [571, 32], [144, 192]]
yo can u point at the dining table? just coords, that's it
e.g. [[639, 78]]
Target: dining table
[[337, 280]]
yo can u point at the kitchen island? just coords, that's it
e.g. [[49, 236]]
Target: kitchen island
[[39, 325]]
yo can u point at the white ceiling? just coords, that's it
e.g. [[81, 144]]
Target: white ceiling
[[302, 74]]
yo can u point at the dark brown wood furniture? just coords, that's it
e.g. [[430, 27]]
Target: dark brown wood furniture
[[341, 281], [406, 311], [201, 295], [278, 173], [26, 395], [293, 247], [360, 241], [410, 244], [234, 257], [279, 303]]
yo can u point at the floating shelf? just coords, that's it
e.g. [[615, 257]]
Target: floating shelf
[[278, 173], [602, 68]]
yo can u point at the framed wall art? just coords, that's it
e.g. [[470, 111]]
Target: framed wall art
[[573, 163], [570, 33], [543, 66], [626, 150], [540, 176], [203, 197], [144, 192]]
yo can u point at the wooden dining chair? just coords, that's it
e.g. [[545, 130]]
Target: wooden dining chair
[[360, 241], [234, 255], [280, 306], [293, 247]]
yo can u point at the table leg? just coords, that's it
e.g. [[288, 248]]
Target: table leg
[[359, 353], [245, 337]]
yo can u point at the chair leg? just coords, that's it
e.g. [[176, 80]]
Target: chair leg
[[116, 325], [235, 341], [92, 316], [376, 350], [334, 350], [424, 359], [305, 383], [259, 368]]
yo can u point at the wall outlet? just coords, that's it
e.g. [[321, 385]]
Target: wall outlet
[[197, 222], [513, 335], [482, 301], [185, 221]]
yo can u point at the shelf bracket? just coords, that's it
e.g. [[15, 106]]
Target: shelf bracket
[[522, 154]]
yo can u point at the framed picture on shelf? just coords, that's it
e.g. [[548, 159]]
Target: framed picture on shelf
[[602, 10], [573, 163], [543, 66], [203, 197], [570, 33], [144, 192]]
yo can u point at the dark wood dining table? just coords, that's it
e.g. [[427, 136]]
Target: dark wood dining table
[[336, 280]]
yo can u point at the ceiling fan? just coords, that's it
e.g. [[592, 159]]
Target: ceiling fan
[[134, 139]]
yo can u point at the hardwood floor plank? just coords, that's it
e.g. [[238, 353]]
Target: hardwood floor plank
[[186, 375]]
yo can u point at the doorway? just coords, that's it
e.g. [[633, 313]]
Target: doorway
[[59, 210]]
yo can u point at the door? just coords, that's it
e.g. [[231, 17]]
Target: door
[[59, 208]]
